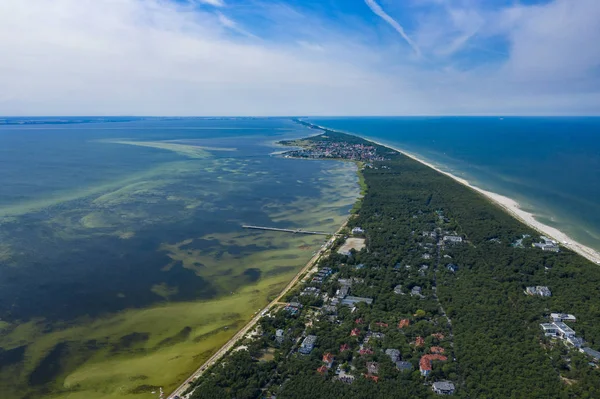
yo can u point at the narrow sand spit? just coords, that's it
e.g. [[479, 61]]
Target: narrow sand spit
[[512, 207]]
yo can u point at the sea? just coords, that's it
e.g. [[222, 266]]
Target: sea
[[550, 165], [124, 263]]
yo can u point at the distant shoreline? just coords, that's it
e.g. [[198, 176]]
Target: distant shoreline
[[507, 204]]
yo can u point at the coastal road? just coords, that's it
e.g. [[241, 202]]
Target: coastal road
[[240, 334]]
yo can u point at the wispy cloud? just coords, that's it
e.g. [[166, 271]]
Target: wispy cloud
[[234, 26], [214, 3], [376, 8]]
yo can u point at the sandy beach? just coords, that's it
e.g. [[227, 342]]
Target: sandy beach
[[512, 207]]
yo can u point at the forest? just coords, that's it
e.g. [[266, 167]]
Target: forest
[[476, 311]]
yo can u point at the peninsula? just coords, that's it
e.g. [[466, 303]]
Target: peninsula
[[425, 292]]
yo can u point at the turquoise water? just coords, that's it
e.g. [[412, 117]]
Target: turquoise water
[[105, 220], [551, 166]]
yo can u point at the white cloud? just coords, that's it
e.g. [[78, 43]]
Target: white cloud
[[234, 26], [152, 57], [376, 8], [214, 3]]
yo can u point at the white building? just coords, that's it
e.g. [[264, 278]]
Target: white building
[[443, 387], [562, 317]]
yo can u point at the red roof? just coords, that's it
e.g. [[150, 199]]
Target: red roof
[[372, 377], [404, 323], [367, 351], [354, 332], [322, 370], [381, 324], [344, 347], [328, 358], [425, 362], [437, 349], [439, 336], [359, 321], [419, 341]]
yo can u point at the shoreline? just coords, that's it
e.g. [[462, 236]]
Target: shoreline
[[507, 204], [230, 344], [513, 208]]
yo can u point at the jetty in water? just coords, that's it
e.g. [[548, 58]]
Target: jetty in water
[[296, 231]]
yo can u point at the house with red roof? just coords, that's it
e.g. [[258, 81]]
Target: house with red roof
[[419, 341], [355, 332], [426, 363], [328, 359], [404, 323], [344, 347], [322, 370], [365, 351], [437, 349]]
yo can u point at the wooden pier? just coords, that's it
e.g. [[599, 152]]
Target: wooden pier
[[298, 231]]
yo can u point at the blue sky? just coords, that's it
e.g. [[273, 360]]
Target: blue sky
[[300, 57]]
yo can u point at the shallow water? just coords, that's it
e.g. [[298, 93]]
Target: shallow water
[[123, 266]]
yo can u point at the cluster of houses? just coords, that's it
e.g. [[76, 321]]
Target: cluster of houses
[[559, 329], [547, 244], [337, 150], [343, 297]]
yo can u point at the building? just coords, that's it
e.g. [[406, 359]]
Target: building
[[372, 368], [416, 291], [590, 352], [322, 370], [328, 359], [357, 230], [312, 291], [279, 336], [308, 344], [404, 366], [562, 317], [575, 341], [437, 349], [540, 290], [550, 329], [453, 239], [398, 289], [546, 245], [404, 323], [452, 267], [563, 330], [394, 354], [355, 332], [419, 341], [425, 364], [443, 387], [353, 300]]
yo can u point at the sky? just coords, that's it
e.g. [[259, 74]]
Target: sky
[[299, 57]]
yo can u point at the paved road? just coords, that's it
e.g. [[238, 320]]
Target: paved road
[[231, 343]]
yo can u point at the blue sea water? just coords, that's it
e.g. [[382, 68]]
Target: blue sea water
[[551, 166]]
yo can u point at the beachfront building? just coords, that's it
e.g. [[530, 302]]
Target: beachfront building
[[357, 230], [547, 244]]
